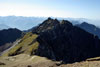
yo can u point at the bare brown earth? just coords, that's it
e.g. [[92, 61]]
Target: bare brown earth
[[24, 60]]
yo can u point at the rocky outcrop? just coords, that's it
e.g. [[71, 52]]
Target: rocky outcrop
[[67, 43], [46, 25]]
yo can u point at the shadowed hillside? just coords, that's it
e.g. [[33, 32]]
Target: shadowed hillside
[[10, 35], [90, 28], [7, 37]]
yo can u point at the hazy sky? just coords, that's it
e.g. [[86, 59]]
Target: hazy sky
[[57, 8]]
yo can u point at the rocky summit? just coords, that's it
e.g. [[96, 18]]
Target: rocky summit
[[46, 25], [67, 43]]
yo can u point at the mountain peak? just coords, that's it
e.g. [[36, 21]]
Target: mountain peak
[[49, 18], [66, 22], [67, 43], [46, 25]]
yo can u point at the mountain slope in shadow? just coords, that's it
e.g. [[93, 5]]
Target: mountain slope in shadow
[[90, 28], [7, 37]]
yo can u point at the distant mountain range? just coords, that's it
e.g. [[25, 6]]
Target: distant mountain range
[[3, 26], [20, 22], [25, 23]]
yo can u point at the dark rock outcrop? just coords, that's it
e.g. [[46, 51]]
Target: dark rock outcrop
[[65, 42], [90, 28]]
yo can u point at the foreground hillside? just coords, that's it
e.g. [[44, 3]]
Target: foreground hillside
[[24, 60], [54, 44]]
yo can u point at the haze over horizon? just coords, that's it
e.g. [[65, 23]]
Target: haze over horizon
[[46, 8]]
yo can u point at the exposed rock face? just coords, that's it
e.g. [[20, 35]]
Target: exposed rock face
[[65, 42], [46, 25], [90, 28]]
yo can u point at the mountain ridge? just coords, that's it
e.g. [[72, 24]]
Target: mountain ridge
[[90, 28], [25, 23], [64, 35], [57, 41]]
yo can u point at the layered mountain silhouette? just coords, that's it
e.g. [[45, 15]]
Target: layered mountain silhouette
[[90, 28], [21, 22], [60, 41]]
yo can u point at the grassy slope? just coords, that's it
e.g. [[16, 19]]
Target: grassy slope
[[27, 44]]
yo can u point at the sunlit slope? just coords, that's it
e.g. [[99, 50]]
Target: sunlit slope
[[27, 44]]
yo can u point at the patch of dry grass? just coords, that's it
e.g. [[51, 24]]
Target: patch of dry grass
[[26, 45]]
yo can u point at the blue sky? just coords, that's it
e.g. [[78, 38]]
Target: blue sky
[[57, 8]]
